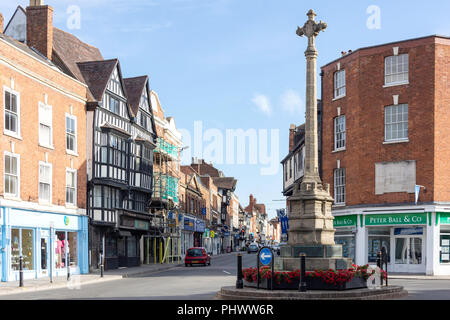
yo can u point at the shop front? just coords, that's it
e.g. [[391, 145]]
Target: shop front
[[50, 243], [187, 234], [402, 236], [129, 237], [200, 227], [346, 234]]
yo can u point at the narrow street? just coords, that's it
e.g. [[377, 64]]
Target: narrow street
[[199, 283], [184, 283]]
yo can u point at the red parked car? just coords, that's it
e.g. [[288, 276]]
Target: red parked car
[[197, 256]]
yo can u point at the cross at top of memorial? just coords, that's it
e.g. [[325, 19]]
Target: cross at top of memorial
[[311, 30]]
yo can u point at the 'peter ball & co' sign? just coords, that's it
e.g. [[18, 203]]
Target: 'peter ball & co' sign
[[396, 219], [345, 221]]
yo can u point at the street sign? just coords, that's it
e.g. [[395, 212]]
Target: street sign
[[265, 256]]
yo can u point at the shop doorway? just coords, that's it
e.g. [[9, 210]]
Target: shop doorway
[[45, 254], [409, 254]]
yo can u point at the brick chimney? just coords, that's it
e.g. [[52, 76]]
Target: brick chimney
[[291, 137], [40, 27], [1, 23]]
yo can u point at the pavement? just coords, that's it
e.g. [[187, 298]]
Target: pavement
[[42, 284], [409, 276]]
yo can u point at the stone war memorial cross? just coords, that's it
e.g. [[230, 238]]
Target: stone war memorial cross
[[311, 221]]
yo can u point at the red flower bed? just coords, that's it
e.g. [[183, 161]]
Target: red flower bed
[[332, 277]]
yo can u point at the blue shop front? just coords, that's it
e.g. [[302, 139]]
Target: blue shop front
[[49, 243]]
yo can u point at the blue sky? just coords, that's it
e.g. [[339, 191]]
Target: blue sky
[[237, 64]]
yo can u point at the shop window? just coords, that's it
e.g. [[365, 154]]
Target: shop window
[[111, 247], [445, 248], [378, 238], [15, 249], [22, 242], [72, 248], [60, 257], [132, 247], [347, 240]]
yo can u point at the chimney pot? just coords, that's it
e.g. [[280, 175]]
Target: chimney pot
[[36, 3], [1, 23]]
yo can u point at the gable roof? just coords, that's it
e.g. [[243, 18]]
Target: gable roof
[[96, 75], [135, 87], [225, 182], [71, 51]]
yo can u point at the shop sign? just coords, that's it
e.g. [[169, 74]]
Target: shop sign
[[141, 225], [189, 224], [408, 231], [206, 235], [345, 221], [396, 219], [213, 234], [444, 218], [199, 225]]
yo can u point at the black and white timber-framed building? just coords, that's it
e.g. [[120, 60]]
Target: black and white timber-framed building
[[121, 138]]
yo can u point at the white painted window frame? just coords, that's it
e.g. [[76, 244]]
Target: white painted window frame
[[49, 124], [389, 64], [390, 124], [49, 165], [340, 84], [5, 131], [74, 118], [74, 172], [17, 156]]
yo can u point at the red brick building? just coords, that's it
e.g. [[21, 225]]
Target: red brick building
[[43, 160], [385, 135]]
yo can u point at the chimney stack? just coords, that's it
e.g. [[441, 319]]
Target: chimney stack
[[40, 27], [1, 23], [291, 137]]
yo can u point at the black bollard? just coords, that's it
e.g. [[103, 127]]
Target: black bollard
[[68, 267], [239, 282], [303, 285], [21, 271], [101, 265]]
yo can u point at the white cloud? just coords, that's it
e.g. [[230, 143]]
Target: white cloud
[[263, 103], [292, 103]]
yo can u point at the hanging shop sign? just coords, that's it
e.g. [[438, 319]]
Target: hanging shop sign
[[396, 219], [345, 221], [199, 225], [213, 234]]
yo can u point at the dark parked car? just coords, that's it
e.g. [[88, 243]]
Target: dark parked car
[[252, 248], [197, 256]]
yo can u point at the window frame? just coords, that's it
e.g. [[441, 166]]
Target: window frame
[[342, 133], [340, 187], [336, 82], [386, 75], [48, 107], [391, 124], [17, 156], [75, 135], [75, 179], [49, 165], [6, 131]]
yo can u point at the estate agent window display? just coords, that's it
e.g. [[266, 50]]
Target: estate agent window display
[[444, 242]]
